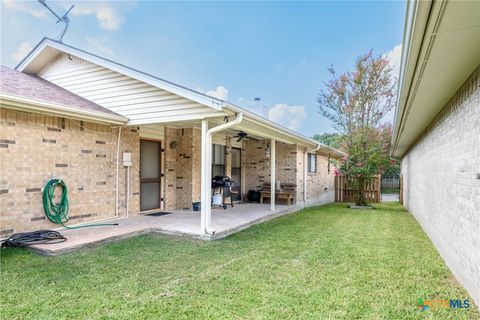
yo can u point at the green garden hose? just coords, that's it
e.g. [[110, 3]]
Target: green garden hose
[[58, 212]]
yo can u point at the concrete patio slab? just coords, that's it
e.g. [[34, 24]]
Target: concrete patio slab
[[179, 222]]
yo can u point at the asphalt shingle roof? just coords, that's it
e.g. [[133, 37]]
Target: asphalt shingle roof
[[33, 87]]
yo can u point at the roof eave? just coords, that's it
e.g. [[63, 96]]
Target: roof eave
[[299, 138], [216, 104], [32, 54], [31, 105], [136, 74], [414, 30]]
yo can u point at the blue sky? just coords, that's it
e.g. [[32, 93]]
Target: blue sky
[[278, 51]]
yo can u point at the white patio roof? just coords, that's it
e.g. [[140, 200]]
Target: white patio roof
[[48, 49]]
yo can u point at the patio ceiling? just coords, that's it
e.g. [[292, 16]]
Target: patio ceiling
[[256, 131], [253, 127]]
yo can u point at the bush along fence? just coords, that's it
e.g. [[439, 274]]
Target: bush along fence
[[346, 189]]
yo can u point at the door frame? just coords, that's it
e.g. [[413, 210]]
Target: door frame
[[146, 180]]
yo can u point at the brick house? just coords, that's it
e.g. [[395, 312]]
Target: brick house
[[437, 130], [69, 114]]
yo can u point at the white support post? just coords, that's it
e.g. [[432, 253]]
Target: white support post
[[305, 176], [128, 189], [272, 175], [204, 190], [208, 186], [206, 211], [117, 172]]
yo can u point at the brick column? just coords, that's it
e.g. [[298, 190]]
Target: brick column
[[170, 166], [228, 156]]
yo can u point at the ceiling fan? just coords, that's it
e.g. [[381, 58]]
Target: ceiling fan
[[242, 135]]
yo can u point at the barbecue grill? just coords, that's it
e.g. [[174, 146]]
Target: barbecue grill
[[221, 181], [221, 188]]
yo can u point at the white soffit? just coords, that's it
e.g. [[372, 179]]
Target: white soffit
[[450, 52]]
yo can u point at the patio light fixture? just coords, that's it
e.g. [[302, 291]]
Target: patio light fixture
[[267, 152]]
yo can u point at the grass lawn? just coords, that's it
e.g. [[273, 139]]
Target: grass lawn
[[327, 262]]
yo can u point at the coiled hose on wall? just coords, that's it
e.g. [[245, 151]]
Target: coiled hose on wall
[[55, 212], [58, 212]]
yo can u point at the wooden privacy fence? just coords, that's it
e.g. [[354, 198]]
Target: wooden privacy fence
[[346, 190]]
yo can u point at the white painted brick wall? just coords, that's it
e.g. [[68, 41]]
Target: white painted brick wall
[[442, 189]]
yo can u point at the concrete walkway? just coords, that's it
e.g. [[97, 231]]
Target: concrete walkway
[[390, 197], [180, 222]]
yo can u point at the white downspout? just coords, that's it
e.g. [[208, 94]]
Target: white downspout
[[273, 184], [128, 188], [206, 174], [203, 177], [117, 173], [305, 173]]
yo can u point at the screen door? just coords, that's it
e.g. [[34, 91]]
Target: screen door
[[150, 175]]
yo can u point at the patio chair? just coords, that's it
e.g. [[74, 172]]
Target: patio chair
[[287, 192], [265, 192]]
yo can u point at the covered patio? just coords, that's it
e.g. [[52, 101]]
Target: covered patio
[[162, 155], [173, 222], [268, 156]]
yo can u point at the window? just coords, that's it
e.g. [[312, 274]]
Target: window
[[218, 160], [312, 162]]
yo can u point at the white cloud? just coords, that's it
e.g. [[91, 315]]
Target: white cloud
[[220, 92], [288, 116], [110, 15], [394, 57], [100, 45], [31, 7], [21, 51]]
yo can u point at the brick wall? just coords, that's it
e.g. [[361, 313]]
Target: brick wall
[[289, 169], [170, 161], [228, 156], [182, 167], [322, 181], [442, 183], [300, 172], [257, 165], [196, 164], [320, 184], [35, 148]]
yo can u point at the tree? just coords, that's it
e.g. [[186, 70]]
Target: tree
[[330, 139], [391, 168], [355, 102]]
